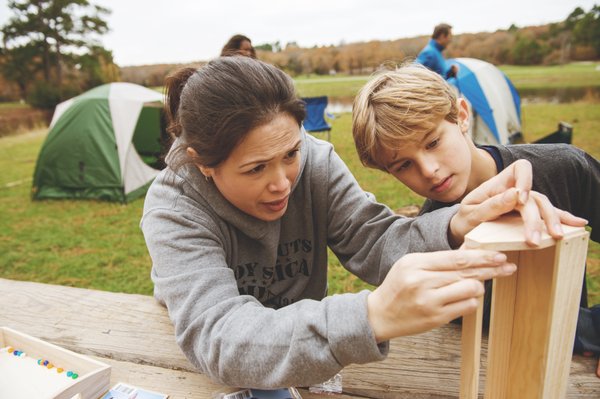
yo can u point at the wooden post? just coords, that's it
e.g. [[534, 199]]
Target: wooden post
[[471, 353], [534, 312]]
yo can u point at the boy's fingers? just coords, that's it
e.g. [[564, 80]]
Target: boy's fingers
[[519, 175], [494, 206], [549, 214], [532, 222], [486, 190], [523, 175], [539, 211], [571, 220]]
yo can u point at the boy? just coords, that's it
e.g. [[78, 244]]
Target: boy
[[410, 123]]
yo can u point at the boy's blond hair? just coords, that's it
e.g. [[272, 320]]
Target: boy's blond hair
[[399, 105]]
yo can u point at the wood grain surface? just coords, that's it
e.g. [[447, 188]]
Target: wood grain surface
[[134, 335]]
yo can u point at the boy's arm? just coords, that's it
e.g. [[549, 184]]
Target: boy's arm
[[591, 196]]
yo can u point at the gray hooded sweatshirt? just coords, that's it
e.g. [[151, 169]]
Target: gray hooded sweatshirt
[[248, 298]]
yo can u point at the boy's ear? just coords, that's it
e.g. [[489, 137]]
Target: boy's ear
[[206, 171], [463, 115]]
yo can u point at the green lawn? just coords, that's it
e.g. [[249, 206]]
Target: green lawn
[[339, 87], [525, 78], [580, 74], [99, 245], [78, 243]]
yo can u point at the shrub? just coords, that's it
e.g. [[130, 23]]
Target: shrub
[[44, 96]]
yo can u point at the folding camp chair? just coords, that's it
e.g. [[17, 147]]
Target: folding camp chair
[[315, 115], [564, 134]]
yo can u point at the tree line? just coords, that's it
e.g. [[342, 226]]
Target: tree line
[[577, 38], [51, 50]]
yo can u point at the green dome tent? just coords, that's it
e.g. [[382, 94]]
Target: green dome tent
[[103, 144]]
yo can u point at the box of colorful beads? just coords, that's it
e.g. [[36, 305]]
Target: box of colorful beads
[[32, 368]]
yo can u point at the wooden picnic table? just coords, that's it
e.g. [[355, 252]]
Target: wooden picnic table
[[133, 334]]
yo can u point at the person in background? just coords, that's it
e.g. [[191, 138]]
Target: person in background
[[410, 123], [431, 56], [239, 224], [239, 45]]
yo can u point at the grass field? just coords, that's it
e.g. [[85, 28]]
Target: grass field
[[575, 75], [99, 245], [581, 74]]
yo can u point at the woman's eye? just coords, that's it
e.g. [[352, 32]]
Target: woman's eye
[[293, 153], [256, 170]]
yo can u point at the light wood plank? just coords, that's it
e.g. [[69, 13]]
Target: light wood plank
[[543, 307], [530, 329], [121, 327], [507, 234], [471, 353], [499, 341], [566, 293]]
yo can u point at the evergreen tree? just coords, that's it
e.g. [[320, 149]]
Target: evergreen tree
[[59, 30]]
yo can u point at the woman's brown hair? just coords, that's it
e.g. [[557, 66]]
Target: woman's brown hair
[[211, 109]]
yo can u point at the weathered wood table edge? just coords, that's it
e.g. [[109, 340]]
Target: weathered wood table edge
[[134, 335]]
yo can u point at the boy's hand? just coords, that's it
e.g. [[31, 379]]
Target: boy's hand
[[426, 290], [507, 191]]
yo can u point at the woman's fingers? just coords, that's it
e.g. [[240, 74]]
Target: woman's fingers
[[454, 260], [439, 269], [451, 301], [457, 291], [458, 299], [441, 279], [424, 290]]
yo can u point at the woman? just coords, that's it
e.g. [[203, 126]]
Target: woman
[[239, 223], [239, 45]]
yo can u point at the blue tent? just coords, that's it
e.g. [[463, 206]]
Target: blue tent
[[495, 103]]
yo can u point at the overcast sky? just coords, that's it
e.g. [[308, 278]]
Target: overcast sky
[[150, 32]]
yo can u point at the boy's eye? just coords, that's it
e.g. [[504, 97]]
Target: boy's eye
[[292, 154], [433, 144], [403, 166]]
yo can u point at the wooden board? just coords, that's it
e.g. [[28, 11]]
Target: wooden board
[[133, 334], [508, 234], [533, 328]]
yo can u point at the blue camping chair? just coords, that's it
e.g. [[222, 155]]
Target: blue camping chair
[[315, 115]]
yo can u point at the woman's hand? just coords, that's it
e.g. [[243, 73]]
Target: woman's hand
[[507, 191], [426, 290]]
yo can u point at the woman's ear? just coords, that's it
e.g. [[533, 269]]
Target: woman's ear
[[206, 171], [463, 115]]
